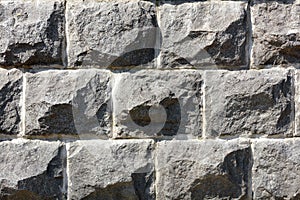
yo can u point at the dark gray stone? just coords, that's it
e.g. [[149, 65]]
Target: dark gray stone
[[112, 34], [276, 33], [247, 103], [68, 102], [205, 35], [162, 104], [207, 169], [31, 170], [276, 169], [111, 170], [31, 32], [10, 93]]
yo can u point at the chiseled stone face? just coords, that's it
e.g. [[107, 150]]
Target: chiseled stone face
[[207, 169], [110, 169], [249, 103], [160, 104], [111, 34], [276, 33], [276, 169], [68, 102], [204, 34], [31, 170], [10, 94], [31, 32]]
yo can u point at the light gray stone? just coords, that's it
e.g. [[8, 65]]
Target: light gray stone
[[276, 169], [210, 34], [297, 103], [68, 102], [162, 104], [10, 94], [276, 33], [207, 169], [31, 32], [249, 103], [31, 170], [111, 34], [113, 169]]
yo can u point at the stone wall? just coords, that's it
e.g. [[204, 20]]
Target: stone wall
[[133, 99]]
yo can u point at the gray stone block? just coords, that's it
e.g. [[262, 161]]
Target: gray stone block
[[276, 33], [31, 170], [31, 32], [10, 93], [68, 102], [114, 169], [161, 104], [207, 169], [205, 35], [111, 34], [249, 103], [276, 169]]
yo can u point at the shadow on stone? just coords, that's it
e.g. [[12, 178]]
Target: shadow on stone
[[231, 183]]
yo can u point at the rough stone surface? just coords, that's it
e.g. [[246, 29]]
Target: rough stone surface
[[204, 35], [110, 169], [249, 103], [31, 170], [276, 33], [151, 103], [111, 34], [276, 169], [68, 102], [208, 169], [10, 93], [31, 32], [297, 103]]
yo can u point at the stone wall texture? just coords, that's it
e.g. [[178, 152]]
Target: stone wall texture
[[149, 99]]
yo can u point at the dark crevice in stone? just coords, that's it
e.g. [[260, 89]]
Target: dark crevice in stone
[[102, 114], [282, 50], [224, 52], [173, 110], [232, 182], [58, 120], [46, 186], [118, 191], [135, 58], [142, 183], [173, 60], [140, 115]]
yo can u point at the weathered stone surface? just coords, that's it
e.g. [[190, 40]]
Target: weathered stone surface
[[68, 102], [31, 170], [276, 169], [204, 35], [10, 93], [207, 169], [151, 103], [113, 169], [111, 33], [31, 32], [249, 103], [276, 33], [297, 103]]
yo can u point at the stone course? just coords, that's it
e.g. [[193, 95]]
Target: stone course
[[144, 99]]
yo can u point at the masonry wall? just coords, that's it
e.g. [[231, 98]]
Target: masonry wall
[[132, 99]]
